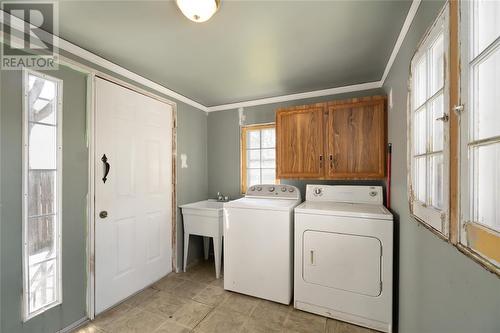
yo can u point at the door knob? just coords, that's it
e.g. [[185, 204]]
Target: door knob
[[103, 214]]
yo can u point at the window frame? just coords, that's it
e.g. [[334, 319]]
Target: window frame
[[27, 315], [243, 149], [436, 220], [473, 238]]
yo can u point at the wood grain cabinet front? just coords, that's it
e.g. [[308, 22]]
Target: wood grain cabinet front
[[300, 141], [336, 140]]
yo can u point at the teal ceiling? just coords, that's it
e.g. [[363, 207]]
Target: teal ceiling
[[248, 50]]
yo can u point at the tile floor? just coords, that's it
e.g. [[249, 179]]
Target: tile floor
[[196, 302]]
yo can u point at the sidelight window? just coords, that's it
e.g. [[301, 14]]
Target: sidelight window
[[42, 176]]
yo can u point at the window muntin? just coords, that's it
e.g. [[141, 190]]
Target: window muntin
[[42, 176], [429, 128], [258, 155]]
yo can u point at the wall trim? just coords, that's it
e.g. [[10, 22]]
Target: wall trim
[[74, 49], [402, 34], [74, 326], [95, 59], [291, 97]]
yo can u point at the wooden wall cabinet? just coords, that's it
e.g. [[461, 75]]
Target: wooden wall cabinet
[[335, 140]]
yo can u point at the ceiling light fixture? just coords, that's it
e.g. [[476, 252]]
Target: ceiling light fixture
[[198, 10]]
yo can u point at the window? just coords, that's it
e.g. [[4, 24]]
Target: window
[[480, 129], [428, 129], [42, 156], [258, 155]]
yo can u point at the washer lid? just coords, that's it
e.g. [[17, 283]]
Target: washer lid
[[263, 203], [368, 211]]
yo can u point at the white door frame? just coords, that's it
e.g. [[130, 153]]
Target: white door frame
[[91, 116]]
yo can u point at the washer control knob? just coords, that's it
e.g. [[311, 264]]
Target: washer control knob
[[291, 189], [283, 189], [318, 191], [252, 188], [259, 188], [271, 189]]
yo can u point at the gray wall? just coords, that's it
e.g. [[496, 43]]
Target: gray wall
[[440, 289], [73, 205], [224, 143]]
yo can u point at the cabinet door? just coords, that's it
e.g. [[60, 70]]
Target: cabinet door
[[300, 141], [356, 138]]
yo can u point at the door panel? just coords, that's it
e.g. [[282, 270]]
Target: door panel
[[133, 243], [356, 139], [342, 261], [300, 141]]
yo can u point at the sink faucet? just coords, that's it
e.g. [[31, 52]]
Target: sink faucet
[[222, 197]]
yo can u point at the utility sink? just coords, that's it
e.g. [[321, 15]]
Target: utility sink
[[204, 218], [209, 208]]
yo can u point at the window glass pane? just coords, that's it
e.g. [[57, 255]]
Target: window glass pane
[[253, 177], [41, 238], [41, 222], [42, 284], [420, 132], [437, 134], [268, 158], [486, 23], [253, 139], [41, 192], [436, 177], [486, 98], [42, 146], [268, 176], [486, 189], [436, 65], [420, 83], [41, 99], [420, 178], [268, 138], [253, 158]]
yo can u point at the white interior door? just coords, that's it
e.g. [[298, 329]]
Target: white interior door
[[133, 205]]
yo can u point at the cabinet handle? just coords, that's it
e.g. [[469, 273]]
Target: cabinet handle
[[320, 161], [332, 165]]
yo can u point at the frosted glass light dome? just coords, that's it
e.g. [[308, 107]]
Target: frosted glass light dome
[[198, 10]]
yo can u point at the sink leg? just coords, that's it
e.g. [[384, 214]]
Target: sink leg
[[186, 248], [206, 246], [217, 253]]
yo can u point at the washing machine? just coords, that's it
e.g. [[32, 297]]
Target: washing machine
[[344, 255], [258, 242]]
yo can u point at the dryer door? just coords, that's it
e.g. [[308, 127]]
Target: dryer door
[[342, 261]]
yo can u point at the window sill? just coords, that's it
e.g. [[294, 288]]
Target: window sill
[[41, 310]]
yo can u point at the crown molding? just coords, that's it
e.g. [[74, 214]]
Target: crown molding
[[339, 90], [402, 34], [292, 97], [93, 58], [18, 24]]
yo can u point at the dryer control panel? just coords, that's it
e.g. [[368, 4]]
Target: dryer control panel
[[345, 193], [273, 191]]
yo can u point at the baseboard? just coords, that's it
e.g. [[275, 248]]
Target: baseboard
[[74, 326]]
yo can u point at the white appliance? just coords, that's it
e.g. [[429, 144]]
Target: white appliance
[[258, 242], [343, 255]]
